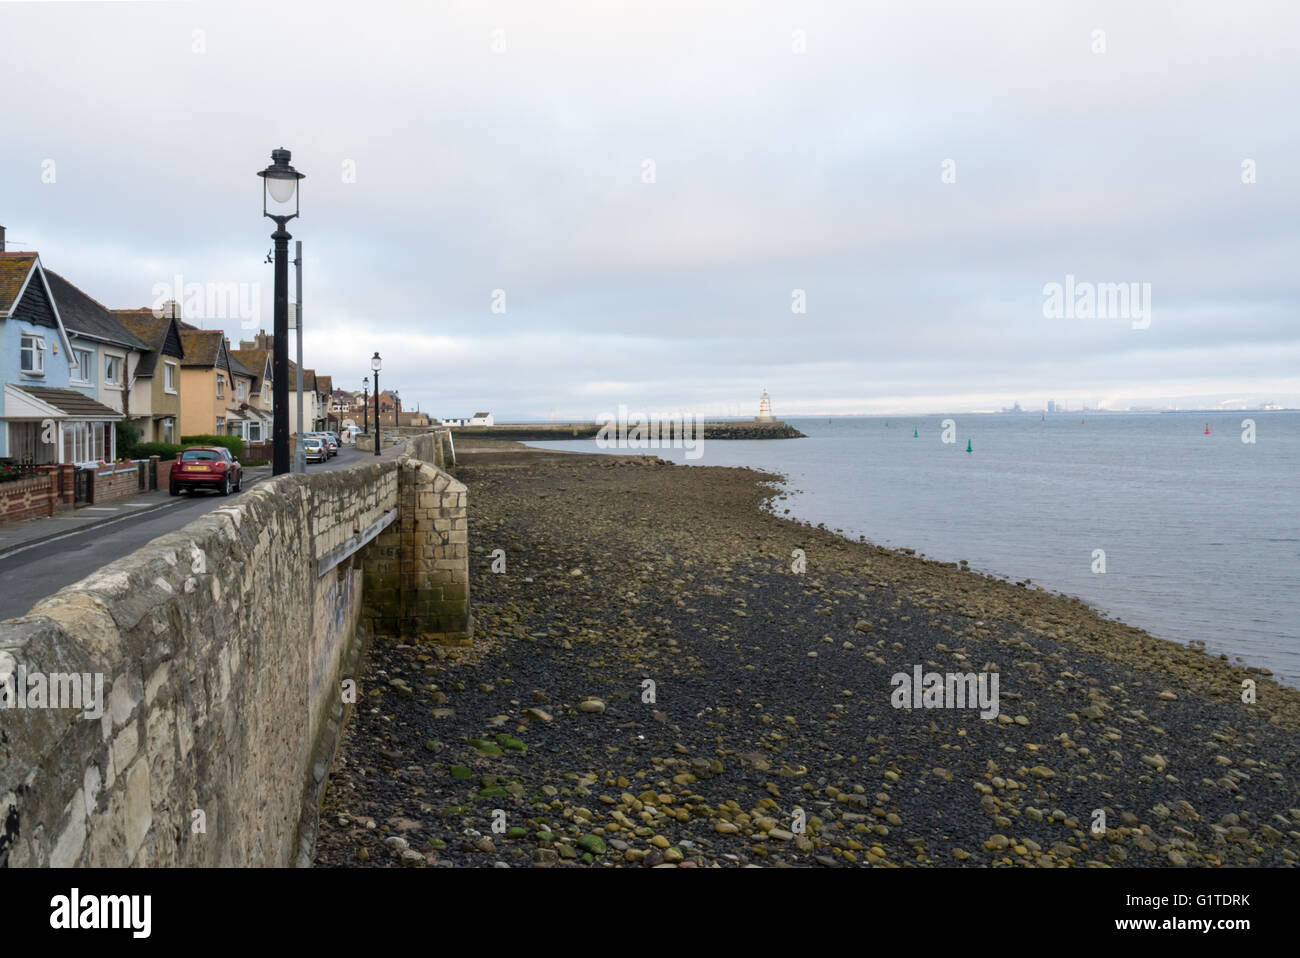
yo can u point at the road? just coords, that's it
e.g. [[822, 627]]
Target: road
[[29, 574]]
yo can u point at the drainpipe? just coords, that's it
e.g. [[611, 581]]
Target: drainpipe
[[300, 454]]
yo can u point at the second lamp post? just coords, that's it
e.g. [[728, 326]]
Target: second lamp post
[[376, 364]]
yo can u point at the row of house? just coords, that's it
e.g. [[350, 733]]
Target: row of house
[[71, 369], [358, 408]]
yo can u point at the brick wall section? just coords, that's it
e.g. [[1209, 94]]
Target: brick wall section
[[220, 650], [28, 498], [114, 482]]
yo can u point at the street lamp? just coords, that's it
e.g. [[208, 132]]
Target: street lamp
[[365, 401], [279, 189], [376, 364]]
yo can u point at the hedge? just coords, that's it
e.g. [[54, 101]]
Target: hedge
[[163, 450], [233, 443]]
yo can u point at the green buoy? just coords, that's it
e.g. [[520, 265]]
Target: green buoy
[[915, 434], [968, 448]]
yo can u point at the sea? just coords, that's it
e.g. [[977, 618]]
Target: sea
[[1192, 536]]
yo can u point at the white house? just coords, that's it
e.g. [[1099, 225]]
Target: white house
[[481, 419]]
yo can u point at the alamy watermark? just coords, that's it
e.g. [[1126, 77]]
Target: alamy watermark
[[638, 431], [209, 301], [950, 690], [21, 688], [1075, 300]]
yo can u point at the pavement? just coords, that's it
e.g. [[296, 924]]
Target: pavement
[[40, 556]]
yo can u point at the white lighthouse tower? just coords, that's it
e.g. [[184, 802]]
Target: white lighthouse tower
[[764, 409]]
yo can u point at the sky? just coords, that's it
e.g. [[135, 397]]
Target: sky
[[549, 210]]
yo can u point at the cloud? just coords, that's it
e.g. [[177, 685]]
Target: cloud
[[523, 170]]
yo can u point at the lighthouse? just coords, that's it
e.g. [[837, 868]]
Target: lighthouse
[[764, 409]]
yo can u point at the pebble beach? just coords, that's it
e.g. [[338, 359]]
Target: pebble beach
[[666, 672]]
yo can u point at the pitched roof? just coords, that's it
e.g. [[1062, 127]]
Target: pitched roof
[[70, 401], [325, 384], [255, 361], [237, 368], [152, 331], [88, 318], [14, 268], [202, 346]]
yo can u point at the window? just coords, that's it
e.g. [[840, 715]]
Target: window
[[169, 430], [31, 351], [221, 386], [113, 370], [266, 394], [169, 379], [239, 390], [254, 432], [85, 361]]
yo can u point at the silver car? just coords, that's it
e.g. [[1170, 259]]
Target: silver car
[[314, 449]]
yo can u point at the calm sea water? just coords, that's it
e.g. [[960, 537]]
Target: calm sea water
[[1201, 533]]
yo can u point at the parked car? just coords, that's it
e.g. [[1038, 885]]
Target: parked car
[[314, 449], [331, 444], [211, 467]]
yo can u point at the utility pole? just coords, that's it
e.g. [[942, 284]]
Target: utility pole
[[300, 454]]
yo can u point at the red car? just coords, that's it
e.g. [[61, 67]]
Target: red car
[[211, 466]]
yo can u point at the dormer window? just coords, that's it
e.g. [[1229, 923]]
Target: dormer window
[[31, 352]]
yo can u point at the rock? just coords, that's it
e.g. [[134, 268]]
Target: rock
[[1176, 858], [863, 626], [1167, 696], [412, 859], [592, 843], [726, 828], [591, 706], [545, 857], [539, 714]]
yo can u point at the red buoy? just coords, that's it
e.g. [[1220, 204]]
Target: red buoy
[[1207, 428]]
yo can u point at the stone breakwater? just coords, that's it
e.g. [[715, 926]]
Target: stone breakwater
[[772, 698], [535, 432]]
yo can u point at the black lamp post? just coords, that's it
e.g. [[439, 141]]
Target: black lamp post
[[365, 401], [376, 363], [280, 183]]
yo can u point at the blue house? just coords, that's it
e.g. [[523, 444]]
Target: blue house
[[49, 410]]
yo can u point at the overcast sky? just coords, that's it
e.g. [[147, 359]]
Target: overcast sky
[[795, 146]]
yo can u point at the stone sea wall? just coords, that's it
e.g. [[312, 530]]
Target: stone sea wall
[[221, 649]]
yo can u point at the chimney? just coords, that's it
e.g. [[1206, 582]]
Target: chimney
[[2, 239]]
